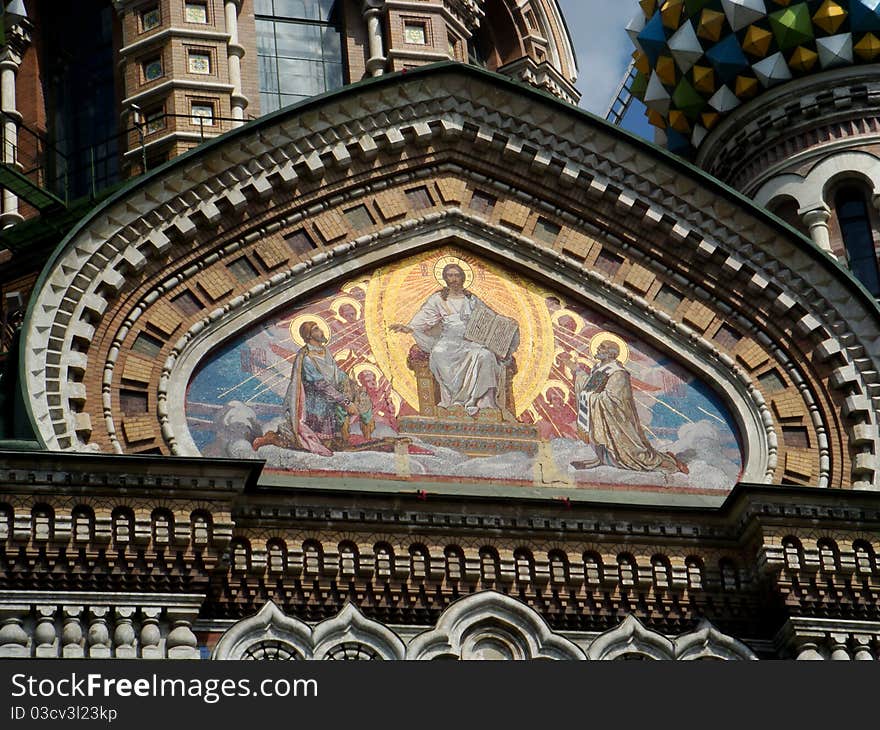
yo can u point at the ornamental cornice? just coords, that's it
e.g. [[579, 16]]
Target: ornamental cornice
[[812, 103], [338, 137]]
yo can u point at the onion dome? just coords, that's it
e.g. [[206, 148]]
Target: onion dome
[[697, 60]]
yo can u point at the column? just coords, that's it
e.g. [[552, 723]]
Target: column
[[816, 220], [372, 15], [235, 51], [9, 64]]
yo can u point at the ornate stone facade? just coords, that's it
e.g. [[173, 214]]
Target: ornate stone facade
[[635, 291]]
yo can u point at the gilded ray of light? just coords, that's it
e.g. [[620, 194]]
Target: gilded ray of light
[[260, 375], [712, 415], [398, 290]]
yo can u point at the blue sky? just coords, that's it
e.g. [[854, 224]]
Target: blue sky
[[603, 49]]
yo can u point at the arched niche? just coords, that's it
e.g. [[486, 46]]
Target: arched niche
[[613, 223], [689, 415]]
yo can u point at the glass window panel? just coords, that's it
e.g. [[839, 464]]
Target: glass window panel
[[203, 115], [332, 42], [333, 75], [265, 37], [300, 77], [263, 7], [268, 73], [288, 99], [269, 103], [292, 9], [296, 40]]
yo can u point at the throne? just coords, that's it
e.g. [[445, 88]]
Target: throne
[[492, 431], [429, 390]]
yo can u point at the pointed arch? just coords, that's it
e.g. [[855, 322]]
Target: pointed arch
[[491, 625], [706, 642], [630, 639], [270, 626], [350, 633]]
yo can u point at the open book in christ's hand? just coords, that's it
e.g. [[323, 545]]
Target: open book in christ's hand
[[492, 330]]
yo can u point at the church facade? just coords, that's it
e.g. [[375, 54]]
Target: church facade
[[436, 365]]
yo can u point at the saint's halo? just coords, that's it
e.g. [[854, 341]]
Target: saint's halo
[[601, 337], [297, 322]]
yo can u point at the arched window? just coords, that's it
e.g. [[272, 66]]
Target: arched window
[[855, 229], [163, 527], [123, 526], [384, 560], [525, 566], [43, 522], [626, 570], [241, 556], [489, 564], [201, 528], [313, 558], [299, 50]]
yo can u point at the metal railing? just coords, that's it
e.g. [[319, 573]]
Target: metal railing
[[74, 173]]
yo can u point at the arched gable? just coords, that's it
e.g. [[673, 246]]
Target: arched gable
[[209, 242]]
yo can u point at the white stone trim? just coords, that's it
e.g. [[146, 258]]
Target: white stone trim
[[271, 623], [489, 616]]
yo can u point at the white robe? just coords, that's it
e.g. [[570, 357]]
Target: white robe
[[467, 372]]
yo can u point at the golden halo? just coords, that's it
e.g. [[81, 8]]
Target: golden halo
[[575, 317], [598, 339], [339, 301], [558, 384], [297, 322], [444, 261], [362, 366]]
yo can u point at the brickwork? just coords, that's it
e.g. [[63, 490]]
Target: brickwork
[[579, 568]]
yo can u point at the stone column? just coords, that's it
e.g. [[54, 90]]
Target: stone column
[[372, 15], [45, 633], [72, 633], [235, 51], [9, 63], [14, 640], [816, 220], [838, 648]]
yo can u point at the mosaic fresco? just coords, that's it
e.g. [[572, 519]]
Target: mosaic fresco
[[446, 367]]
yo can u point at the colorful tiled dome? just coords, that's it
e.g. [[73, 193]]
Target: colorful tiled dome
[[699, 59]]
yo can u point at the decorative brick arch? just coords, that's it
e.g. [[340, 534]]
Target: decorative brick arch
[[120, 275]]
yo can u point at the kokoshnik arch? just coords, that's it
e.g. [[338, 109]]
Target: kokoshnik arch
[[453, 301], [140, 295]]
